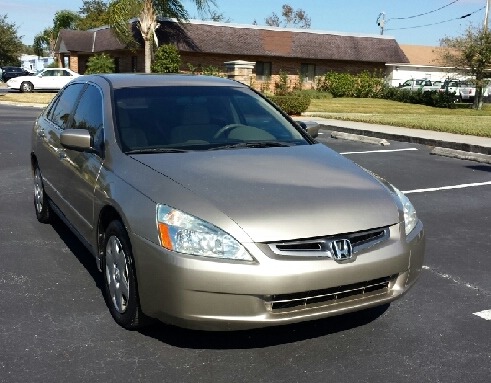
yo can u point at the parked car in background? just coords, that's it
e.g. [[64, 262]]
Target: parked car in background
[[455, 86], [468, 92], [9, 72], [206, 207], [47, 79], [423, 85]]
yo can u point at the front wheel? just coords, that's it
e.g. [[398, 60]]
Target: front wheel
[[120, 287], [26, 87], [41, 203]]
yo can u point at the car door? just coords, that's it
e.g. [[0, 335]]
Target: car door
[[79, 170], [43, 80], [47, 135], [60, 78]]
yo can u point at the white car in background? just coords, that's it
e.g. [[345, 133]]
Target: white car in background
[[47, 79]]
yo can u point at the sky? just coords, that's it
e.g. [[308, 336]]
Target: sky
[[415, 22]]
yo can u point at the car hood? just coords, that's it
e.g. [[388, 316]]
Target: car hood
[[281, 193]]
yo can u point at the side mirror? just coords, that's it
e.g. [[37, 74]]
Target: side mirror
[[311, 127], [77, 139]]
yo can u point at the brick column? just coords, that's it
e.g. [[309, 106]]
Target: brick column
[[240, 70]]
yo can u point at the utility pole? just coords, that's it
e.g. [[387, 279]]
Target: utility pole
[[486, 16], [381, 21]]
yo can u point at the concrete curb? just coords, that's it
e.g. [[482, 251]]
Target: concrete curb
[[412, 139], [40, 106], [360, 138], [463, 155]]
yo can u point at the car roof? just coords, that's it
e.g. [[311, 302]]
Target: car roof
[[123, 80]]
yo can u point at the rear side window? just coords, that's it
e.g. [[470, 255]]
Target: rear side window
[[59, 112]]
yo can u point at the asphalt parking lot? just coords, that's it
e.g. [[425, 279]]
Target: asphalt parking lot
[[55, 325]]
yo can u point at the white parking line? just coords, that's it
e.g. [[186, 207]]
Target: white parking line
[[485, 314], [462, 186], [381, 151]]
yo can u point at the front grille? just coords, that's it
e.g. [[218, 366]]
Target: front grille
[[321, 247], [333, 295]]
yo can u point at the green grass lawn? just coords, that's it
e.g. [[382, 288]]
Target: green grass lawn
[[460, 121]]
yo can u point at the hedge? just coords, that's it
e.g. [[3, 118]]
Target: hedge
[[292, 104]]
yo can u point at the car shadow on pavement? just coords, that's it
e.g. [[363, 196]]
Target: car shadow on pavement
[[79, 250], [482, 168], [264, 337]]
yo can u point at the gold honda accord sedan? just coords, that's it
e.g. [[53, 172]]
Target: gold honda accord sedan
[[206, 207]]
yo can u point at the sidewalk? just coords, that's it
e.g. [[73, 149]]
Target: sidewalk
[[479, 146]]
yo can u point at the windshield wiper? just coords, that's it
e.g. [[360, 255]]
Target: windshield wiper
[[252, 144], [155, 150]]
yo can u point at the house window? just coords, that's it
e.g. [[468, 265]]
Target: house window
[[263, 70], [307, 72], [134, 64], [116, 64]]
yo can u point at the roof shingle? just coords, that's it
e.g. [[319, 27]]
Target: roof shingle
[[247, 40]]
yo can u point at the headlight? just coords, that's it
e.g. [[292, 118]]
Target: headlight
[[186, 234], [410, 217]]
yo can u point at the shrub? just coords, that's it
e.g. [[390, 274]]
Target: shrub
[[209, 70], [364, 85], [433, 98], [293, 103], [282, 88], [102, 63], [167, 59]]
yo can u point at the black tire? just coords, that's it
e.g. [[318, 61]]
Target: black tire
[[41, 202], [26, 87], [120, 287]]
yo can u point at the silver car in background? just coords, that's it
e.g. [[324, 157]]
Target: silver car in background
[[206, 207]]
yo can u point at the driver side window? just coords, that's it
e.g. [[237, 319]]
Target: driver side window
[[88, 115]]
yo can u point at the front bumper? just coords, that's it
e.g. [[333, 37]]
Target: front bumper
[[212, 294]]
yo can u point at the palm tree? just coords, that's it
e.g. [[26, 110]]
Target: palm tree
[[145, 12]]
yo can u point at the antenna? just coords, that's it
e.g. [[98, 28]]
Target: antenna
[[381, 22]]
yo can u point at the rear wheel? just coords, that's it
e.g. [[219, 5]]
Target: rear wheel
[[120, 278], [41, 205], [26, 87]]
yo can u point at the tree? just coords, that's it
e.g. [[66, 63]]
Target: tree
[[44, 42], [102, 63], [470, 54], [93, 14], [217, 17], [145, 12], [291, 18], [10, 42], [64, 20], [167, 59]]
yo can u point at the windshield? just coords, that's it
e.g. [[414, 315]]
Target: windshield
[[154, 119]]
